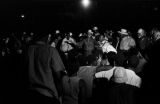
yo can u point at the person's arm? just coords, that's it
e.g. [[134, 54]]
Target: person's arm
[[82, 92], [58, 70], [73, 41], [62, 45]]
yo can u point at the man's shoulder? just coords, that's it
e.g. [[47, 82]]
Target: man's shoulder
[[129, 71], [132, 73], [86, 70], [103, 68], [53, 49], [64, 39]]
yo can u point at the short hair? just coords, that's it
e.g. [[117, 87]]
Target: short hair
[[41, 36]]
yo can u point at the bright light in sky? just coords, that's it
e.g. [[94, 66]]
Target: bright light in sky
[[22, 15], [85, 3]]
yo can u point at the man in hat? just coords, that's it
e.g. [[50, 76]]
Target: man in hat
[[127, 43]]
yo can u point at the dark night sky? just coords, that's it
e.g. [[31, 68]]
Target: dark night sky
[[69, 14]]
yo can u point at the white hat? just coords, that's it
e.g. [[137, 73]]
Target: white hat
[[123, 31], [90, 31], [80, 34], [57, 31], [95, 28], [70, 34], [140, 31]]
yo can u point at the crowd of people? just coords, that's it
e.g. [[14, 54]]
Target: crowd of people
[[89, 68]]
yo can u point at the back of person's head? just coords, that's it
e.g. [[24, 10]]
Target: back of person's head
[[133, 62], [73, 67], [43, 36], [111, 58], [104, 59], [92, 60]]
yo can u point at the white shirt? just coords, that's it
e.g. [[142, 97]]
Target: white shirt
[[132, 78], [105, 74], [107, 47]]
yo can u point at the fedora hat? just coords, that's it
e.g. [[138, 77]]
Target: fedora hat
[[123, 31]]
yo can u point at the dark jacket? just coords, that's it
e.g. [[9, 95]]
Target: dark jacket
[[44, 63]]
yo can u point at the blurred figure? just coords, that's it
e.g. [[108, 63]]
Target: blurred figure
[[88, 44], [106, 68], [126, 47], [68, 44], [124, 84], [87, 72], [45, 72], [6, 45], [151, 74], [53, 40], [156, 35], [102, 76], [106, 46], [109, 36], [143, 41], [127, 41], [96, 33], [74, 87]]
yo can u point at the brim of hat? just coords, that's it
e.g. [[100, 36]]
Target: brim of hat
[[122, 33]]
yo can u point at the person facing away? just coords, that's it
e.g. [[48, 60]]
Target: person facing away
[[67, 44], [87, 74], [74, 87], [133, 78], [101, 81], [45, 70], [124, 84]]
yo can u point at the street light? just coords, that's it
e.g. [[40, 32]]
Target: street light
[[86, 3]]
